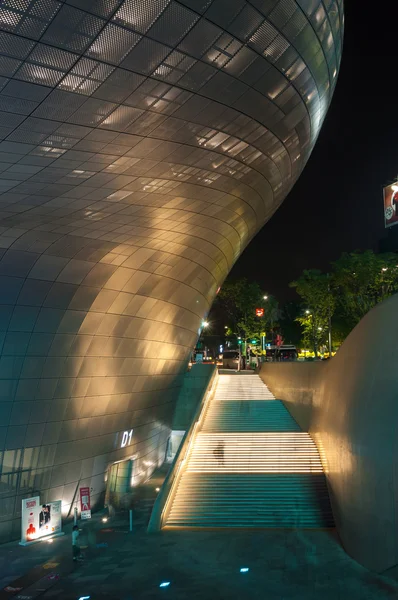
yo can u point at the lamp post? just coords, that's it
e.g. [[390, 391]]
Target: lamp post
[[314, 335], [205, 324], [329, 322]]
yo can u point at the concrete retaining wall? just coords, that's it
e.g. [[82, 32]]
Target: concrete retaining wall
[[350, 407]]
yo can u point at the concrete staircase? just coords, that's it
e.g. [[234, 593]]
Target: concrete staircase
[[249, 465]]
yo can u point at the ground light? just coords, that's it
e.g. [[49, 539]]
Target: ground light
[[244, 569], [165, 584]]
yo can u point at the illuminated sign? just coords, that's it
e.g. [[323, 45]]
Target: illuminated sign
[[126, 438], [39, 520], [259, 312], [85, 503], [390, 194]]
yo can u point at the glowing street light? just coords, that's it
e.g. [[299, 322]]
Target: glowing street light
[[307, 312], [265, 297], [205, 324]]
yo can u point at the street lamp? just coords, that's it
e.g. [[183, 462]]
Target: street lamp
[[265, 297], [205, 324]]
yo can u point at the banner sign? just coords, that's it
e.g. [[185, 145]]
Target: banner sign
[[85, 506], [390, 194], [40, 520], [30, 519]]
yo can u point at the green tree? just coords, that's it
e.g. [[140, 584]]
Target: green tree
[[239, 300], [291, 329], [316, 290], [362, 280]]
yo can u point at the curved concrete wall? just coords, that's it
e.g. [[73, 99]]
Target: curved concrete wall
[[350, 406], [144, 145]]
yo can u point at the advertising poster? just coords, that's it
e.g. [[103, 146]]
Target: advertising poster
[[30, 519], [391, 205], [85, 506], [40, 520], [50, 518]]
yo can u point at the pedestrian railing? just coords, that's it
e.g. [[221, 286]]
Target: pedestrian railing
[[168, 490]]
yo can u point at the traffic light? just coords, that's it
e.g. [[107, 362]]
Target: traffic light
[[253, 342], [239, 341]]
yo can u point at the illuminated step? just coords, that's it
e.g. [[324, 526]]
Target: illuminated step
[[257, 452], [249, 465], [208, 500], [248, 415]]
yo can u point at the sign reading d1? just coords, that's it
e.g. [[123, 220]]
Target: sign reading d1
[[85, 506]]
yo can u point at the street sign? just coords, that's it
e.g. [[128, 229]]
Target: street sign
[[259, 312], [85, 505]]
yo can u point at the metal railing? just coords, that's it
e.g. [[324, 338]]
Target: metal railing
[[168, 490]]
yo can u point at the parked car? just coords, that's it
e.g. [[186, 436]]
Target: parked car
[[230, 359]]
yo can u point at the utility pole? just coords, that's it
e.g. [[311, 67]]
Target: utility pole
[[329, 322], [330, 335], [315, 336]]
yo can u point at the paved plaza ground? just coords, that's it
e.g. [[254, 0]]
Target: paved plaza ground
[[200, 565], [283, 565]]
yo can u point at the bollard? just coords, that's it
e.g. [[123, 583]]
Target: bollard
[[131, 519], [75, 516]]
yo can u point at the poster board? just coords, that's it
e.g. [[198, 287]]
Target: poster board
[[85, 503], [390, 198], [39, 521]]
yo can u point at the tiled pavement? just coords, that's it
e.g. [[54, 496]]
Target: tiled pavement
[[206, 565], [284, 565], [200, 565]]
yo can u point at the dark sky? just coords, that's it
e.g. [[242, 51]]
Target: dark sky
[[336, 205]]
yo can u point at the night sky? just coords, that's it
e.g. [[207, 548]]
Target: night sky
[[337, 204]]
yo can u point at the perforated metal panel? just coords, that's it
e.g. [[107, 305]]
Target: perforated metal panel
[[140, 14], [143, 143]]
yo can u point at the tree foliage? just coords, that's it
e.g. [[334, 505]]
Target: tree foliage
[[362, 280], [357, 282], [314, 287], [239, 299]]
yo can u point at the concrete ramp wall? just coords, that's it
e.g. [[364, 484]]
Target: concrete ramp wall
[[350, 407]]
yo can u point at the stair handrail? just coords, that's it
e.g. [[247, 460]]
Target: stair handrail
[[168, 490]]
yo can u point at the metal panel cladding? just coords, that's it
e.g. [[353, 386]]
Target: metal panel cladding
[[144, 143]]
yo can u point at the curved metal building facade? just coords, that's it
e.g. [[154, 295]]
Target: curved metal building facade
[[144, 143]]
